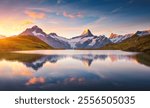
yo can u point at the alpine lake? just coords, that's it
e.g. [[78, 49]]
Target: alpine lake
[[74, 70]]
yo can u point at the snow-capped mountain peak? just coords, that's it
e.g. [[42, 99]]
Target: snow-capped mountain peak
[[51, 39], [88, 40], [38, 31], [85, 40], [35, 27], [112, 35], [86, 32], [34, 31], [143, 33], [115, 38], [53, 34]]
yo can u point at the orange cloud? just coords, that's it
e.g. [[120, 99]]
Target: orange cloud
[[23, 73], [35, 80], [35, 15], [70, 15]]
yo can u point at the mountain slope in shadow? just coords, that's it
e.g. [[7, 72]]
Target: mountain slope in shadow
[[135, 43]]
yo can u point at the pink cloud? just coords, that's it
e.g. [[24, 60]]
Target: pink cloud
[[35, 80], [72, 15], [35, 15]]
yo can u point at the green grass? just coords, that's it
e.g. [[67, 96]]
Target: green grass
[[22, 43], [135, 43]]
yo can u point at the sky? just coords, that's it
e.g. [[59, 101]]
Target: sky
[[69, 18]]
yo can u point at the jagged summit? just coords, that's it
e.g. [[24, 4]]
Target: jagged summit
[[34, 31], [112, 35], [116, 38], [35, 26], [85, 40], [53, 34], [143, 33], [86, 32]]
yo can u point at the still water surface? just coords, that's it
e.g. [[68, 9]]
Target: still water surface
[[74, 70]]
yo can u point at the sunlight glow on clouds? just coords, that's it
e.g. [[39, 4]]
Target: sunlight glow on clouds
[[36, 80], [13, 26], [75, 15], [35, 15], [69, 17]]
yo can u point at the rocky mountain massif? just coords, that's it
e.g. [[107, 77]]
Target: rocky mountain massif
[[85, 40], [137, 43], [36, 38]]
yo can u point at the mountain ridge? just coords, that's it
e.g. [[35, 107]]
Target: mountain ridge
[[84, 41], [135, 44], [116, 38]]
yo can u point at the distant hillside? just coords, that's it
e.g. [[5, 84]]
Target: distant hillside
[[135, 43], [22, 43]]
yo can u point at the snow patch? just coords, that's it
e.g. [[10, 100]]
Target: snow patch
[[143, 33], [58, 38], [37, 34], [93, 42], [120, 38]]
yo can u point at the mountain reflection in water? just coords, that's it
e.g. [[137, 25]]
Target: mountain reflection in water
[[75, 71]]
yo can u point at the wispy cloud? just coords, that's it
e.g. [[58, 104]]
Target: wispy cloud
[[116, 10], [72, 15], [40, 9], [98, 22], [35, 15]]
